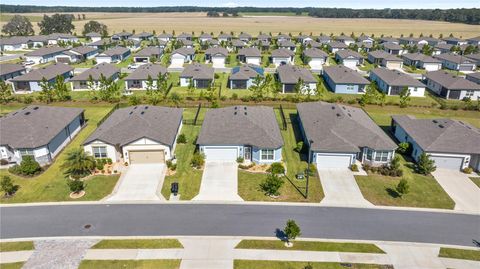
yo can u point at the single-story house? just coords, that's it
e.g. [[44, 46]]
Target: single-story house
[[216, 55], [287, 44], [456, 62], [474, 77], [137, 80], [250, 56], [364, 46], [55, 38], [113, 55], [93, 36], [30, 82], [393, 82], [102, 44], [335, 46], [393, 48], [324, 39], [201, 75], [185, 36], [313, 44], [304, 39], [393, 62], [242, 77], [237, 45], [211, 43], [224, 37], [245, 37], [339, 135], [44, 55], [316, 58], [474, 41], [475, 58], [411, 41], [137, 135], [349, 58], [147, 54], [442, 48], [390, 39], [9, 71], [38, 41], [15, 43], [182, 55], [131, 44], [289, 75], [345, 39], [263, 45], [450, 86], [452, 144], [76, 54], [377, 56], [282, 56], [38, 131], [341, 79], [420, 60], [283, 37], [248, 132], [107, 71], [455, 41], [67, 57], [165, 37], [142, 36], [205, 37], [365, 39], [263, 36], [121, 36]]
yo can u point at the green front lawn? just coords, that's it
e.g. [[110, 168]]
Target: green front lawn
[[464, 254], [476, 180], [188, 179], [251, 264], [130, 264], [16, 246], [309, 246], [15, 265], [138, 244], [51, 185], [424, 190]]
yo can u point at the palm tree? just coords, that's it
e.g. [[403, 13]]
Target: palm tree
[[78, 164]]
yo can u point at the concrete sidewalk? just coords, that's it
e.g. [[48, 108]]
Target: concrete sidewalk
[[460, 188], [15, 256]]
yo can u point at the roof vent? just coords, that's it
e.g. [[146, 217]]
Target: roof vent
[[135, 107], [36, 108], [235, 113], [143, 112], [333, 107], [434, 121], [235, 108], [441, 126], [350, 115], [146, 107], [338, 114], [27, 113], [244, 108], [245, 113], [131, 112]]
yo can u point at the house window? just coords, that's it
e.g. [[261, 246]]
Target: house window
[[100, 152], [469, 93], [83, 83], [26, 152], [267, 154], [350, 87], [381, 156], [369, 154]]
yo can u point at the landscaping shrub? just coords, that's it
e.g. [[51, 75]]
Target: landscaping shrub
[[393, 169], [76, 185], [182, 139], [245, 167], [78, 164], [402, 187], [28, 167], [291, 230], [3, 162], [468, 170], [234, 96], [109, 161], [272, 185], [354, 167], [276, 168], [404, 148], [100, 163], [298, 148], [198, 159], [425, 165], [6, 185], [312, 171], [240, 160]]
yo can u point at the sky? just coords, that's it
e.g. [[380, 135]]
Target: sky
[[443, 4]]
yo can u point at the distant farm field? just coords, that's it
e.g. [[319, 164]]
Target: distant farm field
[[197, 22]]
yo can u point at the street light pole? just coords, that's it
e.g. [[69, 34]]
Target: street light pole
[[310, 142]]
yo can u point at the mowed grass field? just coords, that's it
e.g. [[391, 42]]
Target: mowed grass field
[[197, 22]]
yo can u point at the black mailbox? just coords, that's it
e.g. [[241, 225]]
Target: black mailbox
[[174, 188]]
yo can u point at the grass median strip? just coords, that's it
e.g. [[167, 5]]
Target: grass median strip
[[250, 264], [16, 246], [130, 264], [476, 180], [13, 265], [138, 244], [310, 246], [456, 253]]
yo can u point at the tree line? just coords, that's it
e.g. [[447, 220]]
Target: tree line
[[462, 15]]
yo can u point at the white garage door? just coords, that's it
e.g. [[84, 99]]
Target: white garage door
[[333, 161], [350, 63], [220, 154], [218, 62], [445, 162]]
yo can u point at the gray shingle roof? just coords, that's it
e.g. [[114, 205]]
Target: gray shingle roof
[[14, 40], [340, 74], [238, 43], [184, 51], [165, 35], [96, 72], [339, 128], [420, 57], [142, 35], [245, 72], [343, 54], [93, 34], [129, 124], [10, 68], [83, 50], [337, 45], [46, 51], [245, 35], [149, 52], [475, 75], [315, 53], [217, 50], [451, 82], [283, 53], [454, 58], [250, 52], [285, 43], [392, 46], [114, 51], [101, 42], [48, 72], [35, 126], [289, 74], [198, 71], [245, 125], [378, 54], [441, 135], [396, 78], [146, 70]]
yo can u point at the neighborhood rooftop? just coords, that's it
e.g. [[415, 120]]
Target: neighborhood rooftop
[[114, 51], [46, 51], [147, 70], [35, 126], [290, 74], [246, 72], [341, 74], [96, 72], [441, 135], [9, 68], [198, 71], [130, 124], [396, 78], [454, 58], [451, 81], [340, 128], [248, 125], [48, 72]]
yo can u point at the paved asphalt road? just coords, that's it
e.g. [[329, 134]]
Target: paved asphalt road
[[237, 220]]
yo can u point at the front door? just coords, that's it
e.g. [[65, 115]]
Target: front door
[[248, 153]]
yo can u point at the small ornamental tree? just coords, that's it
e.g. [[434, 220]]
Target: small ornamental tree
[[425, 165], [182, 139], [292, 231], [198, 159], [76, 185], [402, 187], [7, 186], [78, 164], [272, 185], [403, 148], [28, 167]]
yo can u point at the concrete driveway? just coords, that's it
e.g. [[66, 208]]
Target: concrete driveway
[[460, 188], [219, 182], [340, 188], [141, 182]]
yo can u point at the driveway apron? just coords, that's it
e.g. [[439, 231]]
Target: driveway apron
[[219, 182]]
